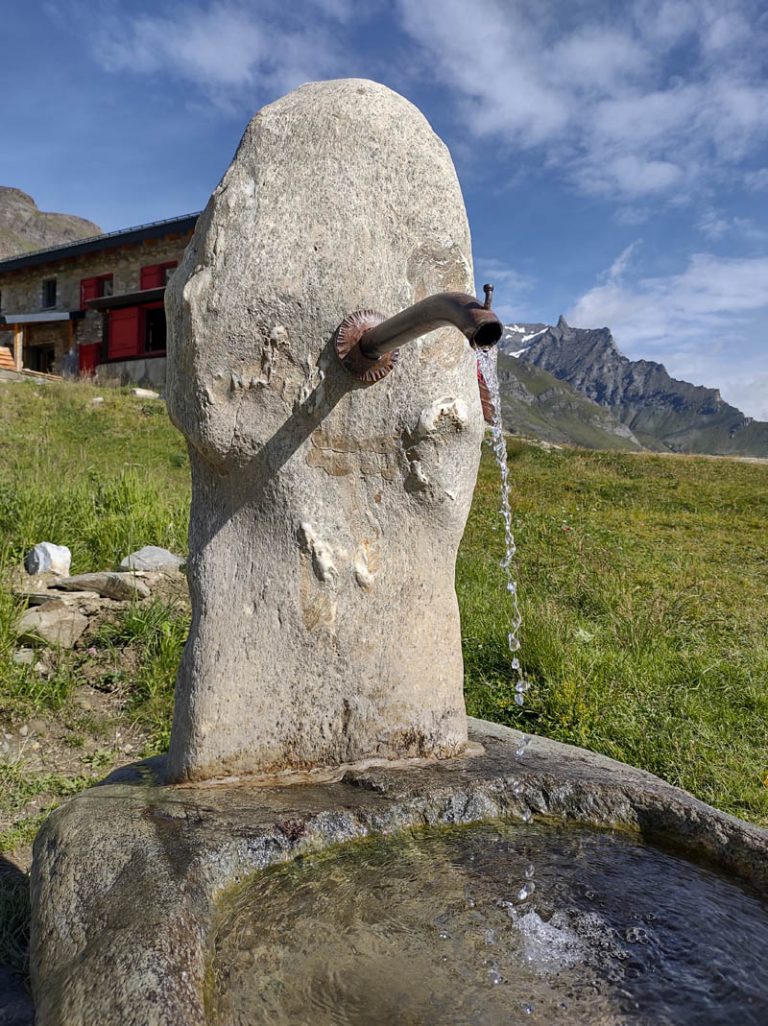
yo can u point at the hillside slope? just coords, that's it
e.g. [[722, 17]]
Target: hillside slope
[[662, 412], [24, 227], [537, 405]]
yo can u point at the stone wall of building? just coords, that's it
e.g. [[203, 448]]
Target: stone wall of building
[[150, 373], [54, 334], [22, 290]]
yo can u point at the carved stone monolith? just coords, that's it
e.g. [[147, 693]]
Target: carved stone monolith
[[326, 514]]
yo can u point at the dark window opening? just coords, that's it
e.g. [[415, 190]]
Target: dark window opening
[[49, 293], [40, 358], [154, 331]]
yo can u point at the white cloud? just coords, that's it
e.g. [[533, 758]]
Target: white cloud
[[716, 225], [757, 180], [702, 323], [605, 97], [224, 48], [622, 261]]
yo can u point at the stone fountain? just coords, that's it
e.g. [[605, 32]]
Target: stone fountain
[[319, 698]]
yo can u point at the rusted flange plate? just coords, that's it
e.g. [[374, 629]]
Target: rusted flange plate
[[347, 339]]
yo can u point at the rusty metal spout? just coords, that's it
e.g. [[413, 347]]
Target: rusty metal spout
[[368, 343]]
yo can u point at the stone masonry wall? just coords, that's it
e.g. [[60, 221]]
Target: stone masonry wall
[[22, 290]]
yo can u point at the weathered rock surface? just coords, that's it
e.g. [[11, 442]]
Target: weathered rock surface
[[325, 517], [152, 557], [47, 558], [56, 622], [126, 876], [23, 226], [119, 586]]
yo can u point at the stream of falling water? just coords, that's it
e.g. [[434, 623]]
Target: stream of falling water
[[486, 360]]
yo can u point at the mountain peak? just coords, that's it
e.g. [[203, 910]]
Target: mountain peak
[[662, 412], [24, 227]]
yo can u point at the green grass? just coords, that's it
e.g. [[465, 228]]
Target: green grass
[[158, 632], [642, 583], [643, 592]]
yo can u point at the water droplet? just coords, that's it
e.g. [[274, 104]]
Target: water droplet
[[495, 977], [444, 935], [527, 1009]]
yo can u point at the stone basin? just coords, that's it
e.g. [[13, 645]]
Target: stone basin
[[131, 878]]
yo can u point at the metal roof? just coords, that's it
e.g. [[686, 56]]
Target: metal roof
[[41, 318], [125, 236]]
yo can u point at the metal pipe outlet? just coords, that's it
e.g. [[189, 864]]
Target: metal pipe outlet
[[368, 344]]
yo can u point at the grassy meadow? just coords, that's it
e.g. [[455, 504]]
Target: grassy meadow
[[642, 584]]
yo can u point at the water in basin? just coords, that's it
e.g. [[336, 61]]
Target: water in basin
[[491, 924]]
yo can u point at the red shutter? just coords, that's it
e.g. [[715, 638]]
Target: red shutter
[[90, 288], [90, 356], [124, 333], [152, 277]]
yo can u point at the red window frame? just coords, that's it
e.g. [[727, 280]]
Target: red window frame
[[93, 288], [153, 275]]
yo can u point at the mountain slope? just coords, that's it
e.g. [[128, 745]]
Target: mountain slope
[[23, 227], [662, 412], [537, 405]]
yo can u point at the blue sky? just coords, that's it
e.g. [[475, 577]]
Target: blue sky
[[613, 156]]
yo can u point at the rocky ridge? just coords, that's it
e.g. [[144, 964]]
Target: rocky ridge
[[662, 412], [24, 227], [535, 404]]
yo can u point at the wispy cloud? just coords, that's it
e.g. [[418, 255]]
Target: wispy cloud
[[716, 225], [702, 323], [224, 49], [606, 98]]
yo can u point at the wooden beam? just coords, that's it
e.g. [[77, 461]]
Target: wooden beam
[[18, 345]]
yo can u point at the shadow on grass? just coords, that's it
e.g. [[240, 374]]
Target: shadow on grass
[[15, 1002]]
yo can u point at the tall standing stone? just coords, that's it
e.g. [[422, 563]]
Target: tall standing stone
[[326, 514]]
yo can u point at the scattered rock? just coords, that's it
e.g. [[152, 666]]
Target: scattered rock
[[55, 622], [37, 598], [24, 656], [152, 557], [145, 393], [110, 584], [48, 558], [97, 400]]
